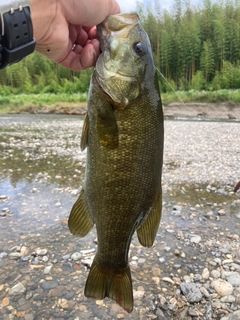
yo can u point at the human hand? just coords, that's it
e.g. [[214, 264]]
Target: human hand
[[65, 31]]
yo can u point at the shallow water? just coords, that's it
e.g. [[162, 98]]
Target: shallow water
[[41, 171]]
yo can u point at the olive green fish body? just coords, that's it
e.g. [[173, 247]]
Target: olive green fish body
[[123, 131]]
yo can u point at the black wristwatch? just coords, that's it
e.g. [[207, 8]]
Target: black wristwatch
[[16, 31]]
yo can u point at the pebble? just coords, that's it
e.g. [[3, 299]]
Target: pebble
[[222, 287], [167, 279], [17, 289], [76, 256], [215, 274], [205, 273], [41, 252], [49, 284], [234, 279], [47, 270], [228, 299], [196, 239], [3, 255], [191, 292], [233, 316]]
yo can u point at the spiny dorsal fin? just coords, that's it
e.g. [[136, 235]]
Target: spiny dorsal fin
[[148, 230], [106, 282], [84, 136], [80, 222]]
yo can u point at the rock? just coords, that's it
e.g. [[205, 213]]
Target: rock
[[76, 256], [45, 259], [17, 289], [162, 260], [221, 212], [205, 292], [167, 279], [47, 270], [222, 287], [66, 257], [141, 261], [191, 292], [14, 255], [49, 284], [196, 239], [41, 252], [228, 299], [233, 316], [156, 272], [160, 315], [138, 295], [3, 255], [234, 279], [215, 274], [205, 274]]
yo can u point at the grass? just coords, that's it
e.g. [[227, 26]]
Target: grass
[[19, 102]]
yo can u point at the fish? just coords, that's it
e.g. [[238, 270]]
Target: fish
[[123, 132]]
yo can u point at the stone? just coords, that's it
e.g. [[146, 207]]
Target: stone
[[3, 255], [17, 289], [234, 279], [222, 287], [76, 256], [215, 274], [47, 270], [228, 299], [232, 316], [14, 255], [41, 252], [205, 274], [49, 284], [196, 239], [161, 260], [160, 315], [205, 292], [167, 279], [191, 292]]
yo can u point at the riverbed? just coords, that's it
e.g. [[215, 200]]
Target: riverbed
[[43, 268]]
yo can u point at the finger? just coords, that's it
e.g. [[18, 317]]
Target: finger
[[82, 58]]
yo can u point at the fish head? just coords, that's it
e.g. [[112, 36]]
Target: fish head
[[126, 64]]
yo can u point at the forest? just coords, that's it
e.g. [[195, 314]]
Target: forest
[[194, 49]]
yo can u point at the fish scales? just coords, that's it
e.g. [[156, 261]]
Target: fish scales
[[123, 133]]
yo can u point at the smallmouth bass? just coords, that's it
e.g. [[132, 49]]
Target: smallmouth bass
[[123, 133]]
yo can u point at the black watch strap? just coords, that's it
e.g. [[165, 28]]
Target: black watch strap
[[16, 33]]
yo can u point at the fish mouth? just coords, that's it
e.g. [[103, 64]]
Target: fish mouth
[[122, 23]]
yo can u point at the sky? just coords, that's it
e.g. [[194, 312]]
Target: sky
[[130, 5]]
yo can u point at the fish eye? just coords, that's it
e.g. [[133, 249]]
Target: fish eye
[[139, 48]]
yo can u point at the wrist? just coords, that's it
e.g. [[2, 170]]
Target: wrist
[[43, 13]]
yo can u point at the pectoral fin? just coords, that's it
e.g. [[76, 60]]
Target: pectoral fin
[[148, 230], [80, 222], [84, 136], [107, 128]]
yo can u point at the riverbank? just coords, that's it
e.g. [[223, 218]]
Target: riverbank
[[193, 270], [226, 110]]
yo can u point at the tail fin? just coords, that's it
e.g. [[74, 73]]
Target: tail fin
[[106, 282]]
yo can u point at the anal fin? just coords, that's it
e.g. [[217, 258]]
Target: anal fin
[[80, 222], [147, 231], [106, 282]]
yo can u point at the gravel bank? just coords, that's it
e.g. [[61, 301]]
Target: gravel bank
[[191, 273]]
